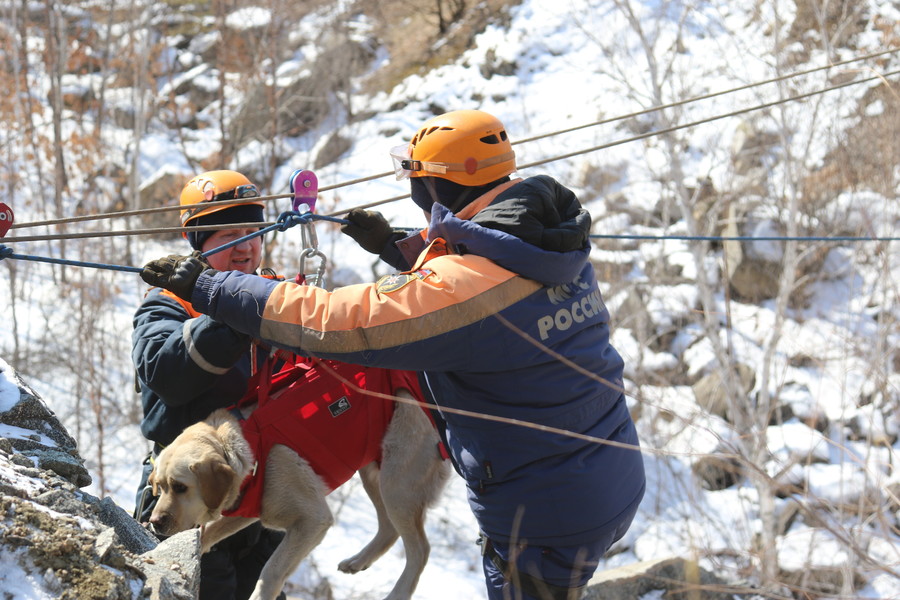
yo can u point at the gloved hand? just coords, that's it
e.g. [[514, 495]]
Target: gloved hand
[[178, 274], [369, 229]]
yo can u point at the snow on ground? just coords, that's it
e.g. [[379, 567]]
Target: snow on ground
[[578, 61]]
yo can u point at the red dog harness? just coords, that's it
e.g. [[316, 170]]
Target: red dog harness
[[330, 413]]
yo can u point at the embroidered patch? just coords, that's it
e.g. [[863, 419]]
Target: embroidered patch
[[339, 406], [392, 283]]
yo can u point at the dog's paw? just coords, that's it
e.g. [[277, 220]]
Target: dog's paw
[[353, 565]]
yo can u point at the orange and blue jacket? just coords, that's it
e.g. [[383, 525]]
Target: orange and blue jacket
[[502, 313]]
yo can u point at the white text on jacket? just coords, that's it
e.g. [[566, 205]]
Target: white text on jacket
[[578, 311]]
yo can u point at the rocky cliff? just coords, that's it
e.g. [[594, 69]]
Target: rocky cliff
[[56, 541]]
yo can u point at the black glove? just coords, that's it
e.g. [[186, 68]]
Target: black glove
[[178, 274], [369, 229]]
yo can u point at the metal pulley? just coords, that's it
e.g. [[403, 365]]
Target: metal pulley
[[304, 187]]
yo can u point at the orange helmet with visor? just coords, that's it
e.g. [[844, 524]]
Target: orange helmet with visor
[[468, 147]]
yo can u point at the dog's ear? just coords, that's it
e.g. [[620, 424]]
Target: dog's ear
[[232, 444], [215, 479]]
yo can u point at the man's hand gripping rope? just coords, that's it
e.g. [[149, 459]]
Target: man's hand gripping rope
[[176, 273]]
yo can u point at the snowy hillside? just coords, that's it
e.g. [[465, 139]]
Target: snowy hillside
[[764, 375]]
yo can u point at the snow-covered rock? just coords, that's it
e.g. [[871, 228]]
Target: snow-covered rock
[[57, 541]]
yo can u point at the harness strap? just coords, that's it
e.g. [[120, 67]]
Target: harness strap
[[485, 199], [531, 585]]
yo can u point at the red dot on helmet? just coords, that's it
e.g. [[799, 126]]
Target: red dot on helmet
[[471, 165]]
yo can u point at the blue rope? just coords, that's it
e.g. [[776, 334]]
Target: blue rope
[[291, 218], [6, 252], [743, 238], [285, 221], [720, 238]]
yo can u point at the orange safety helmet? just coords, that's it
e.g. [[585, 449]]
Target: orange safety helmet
[[468, 147], [213, 186]]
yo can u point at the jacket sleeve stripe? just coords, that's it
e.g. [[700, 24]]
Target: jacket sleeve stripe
[[453, 292], [195, 354]]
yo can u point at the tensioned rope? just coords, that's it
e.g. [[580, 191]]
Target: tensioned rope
[[527, 165], [711, 95], [733, 113], [137, 212], [747, 238], [285, 221]]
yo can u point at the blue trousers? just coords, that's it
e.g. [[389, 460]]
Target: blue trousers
[[522, 572], [566, 570]]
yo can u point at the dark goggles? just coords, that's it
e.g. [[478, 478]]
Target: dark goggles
[[242, 191]]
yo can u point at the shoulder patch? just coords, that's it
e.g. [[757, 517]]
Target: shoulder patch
[[392, 283]]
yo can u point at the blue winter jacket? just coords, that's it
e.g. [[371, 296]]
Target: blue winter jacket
[[502, 313]]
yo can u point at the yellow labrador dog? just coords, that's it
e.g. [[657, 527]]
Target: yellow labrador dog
[[199, 475]]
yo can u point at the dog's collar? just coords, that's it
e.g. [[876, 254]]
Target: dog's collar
[[244, 485], [236, 412]]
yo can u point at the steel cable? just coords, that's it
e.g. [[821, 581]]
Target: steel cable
[[138, 212]]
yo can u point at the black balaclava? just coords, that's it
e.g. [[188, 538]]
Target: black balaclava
[[242, 213], [426, 191]]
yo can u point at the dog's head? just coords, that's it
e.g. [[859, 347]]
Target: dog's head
[[193, 479]]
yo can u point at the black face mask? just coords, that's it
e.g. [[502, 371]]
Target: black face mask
[[428, 190]]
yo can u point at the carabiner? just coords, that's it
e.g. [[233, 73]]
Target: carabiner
[[316, 278]]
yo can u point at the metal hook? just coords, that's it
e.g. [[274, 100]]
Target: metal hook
[[308, 237], [318, 277]]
